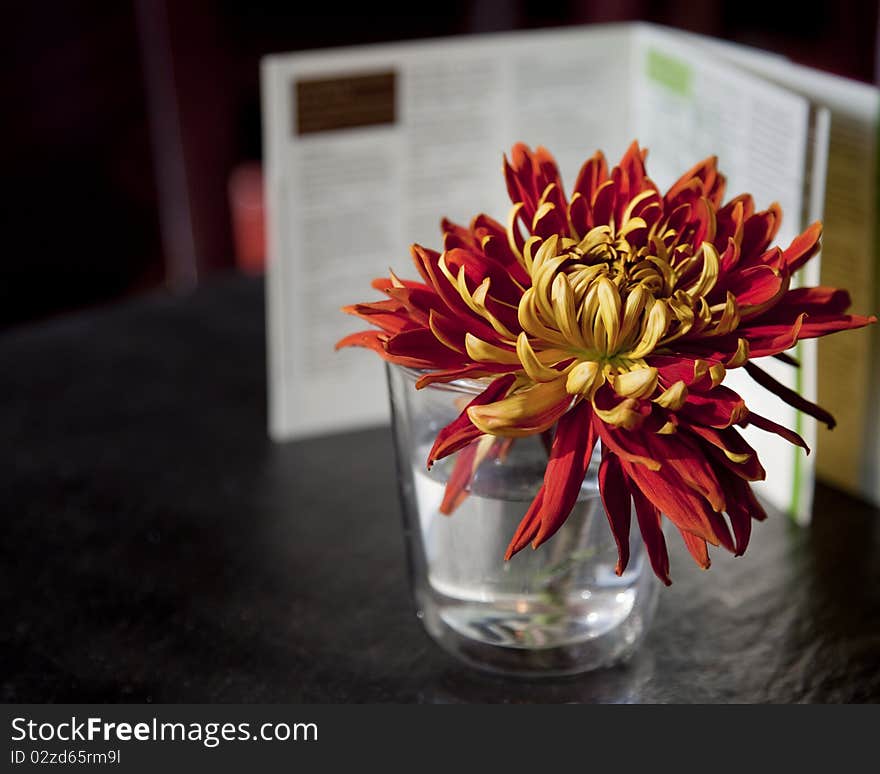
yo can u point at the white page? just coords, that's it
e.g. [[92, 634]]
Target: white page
[[344, 205], [848, 364], [692, 104]]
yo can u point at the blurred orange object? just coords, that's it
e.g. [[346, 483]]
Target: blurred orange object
[[248, 222]]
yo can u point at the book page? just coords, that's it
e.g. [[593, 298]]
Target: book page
[[690, 104], [368, 148], [848, 364]]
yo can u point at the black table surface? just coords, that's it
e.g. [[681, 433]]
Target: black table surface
[[156, 546]]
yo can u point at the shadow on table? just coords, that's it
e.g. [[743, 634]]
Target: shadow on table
[[619, 685]]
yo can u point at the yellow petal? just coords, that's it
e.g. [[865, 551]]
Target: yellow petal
[[683, 311], [484, 446], [543, 210], [673, 397], [717, 373], [729, 316], [566, 311], [546, 251], [589, 310], [740, 356], [528, 247], [632, 312], [438, 334], [511, 230], [479, 306], [655, 327], [531, 321], [609, 311], [634, 202], [624, 414], [737, 457], [639, 383], [484, 352], [584, 378], [529, 411], [709, 275], [536, 370]]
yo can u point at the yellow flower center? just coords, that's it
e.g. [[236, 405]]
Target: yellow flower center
[[612, 298], [602, 303]]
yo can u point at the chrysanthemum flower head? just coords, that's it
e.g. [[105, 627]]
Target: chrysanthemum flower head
[[611, 317]]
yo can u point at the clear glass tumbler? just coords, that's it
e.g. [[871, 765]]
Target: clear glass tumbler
[[557, 610]]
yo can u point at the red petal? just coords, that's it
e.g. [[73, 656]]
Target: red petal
[[649, 525], [427, 261], [617, 501], [684, 455], [633, 164], [552, 221], [492, 237], [719, 407], [603, 203], [383, 283], [772, 427], [457, 236], [528, 527], [728, 438], [824, 309], [673, 497], [783, 357], [423, 258], [770, 339], [419, 302], [461, 431], [448, 331], [389, 315], [758, 232], [627, 446], [569, 458], [822, 325], [592, 174], [802, 248], [622, 193], [729, 221], [527, 176], [814, 301], [742, 508], [700, 180], [704, 222], [422, 349], [460, 478], [579, 214], [470, 371], [519, 174], [374, 340], [478, 267], [697, 548], [792, 398], [685, 369], [757, 288]]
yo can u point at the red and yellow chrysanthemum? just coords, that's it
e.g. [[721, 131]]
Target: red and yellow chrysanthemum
[[612, 317]]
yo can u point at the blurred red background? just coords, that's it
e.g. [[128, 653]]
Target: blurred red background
[[131, 128]]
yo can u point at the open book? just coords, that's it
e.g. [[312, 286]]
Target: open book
[[367, 148]]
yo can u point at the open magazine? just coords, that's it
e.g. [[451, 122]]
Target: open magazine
[[367, 148]]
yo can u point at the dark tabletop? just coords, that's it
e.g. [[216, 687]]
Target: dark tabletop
[[156, 546]]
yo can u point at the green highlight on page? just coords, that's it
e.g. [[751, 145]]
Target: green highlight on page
[[672, 73], [797, 476]]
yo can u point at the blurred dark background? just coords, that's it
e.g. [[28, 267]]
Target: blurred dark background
[[131, 128]]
